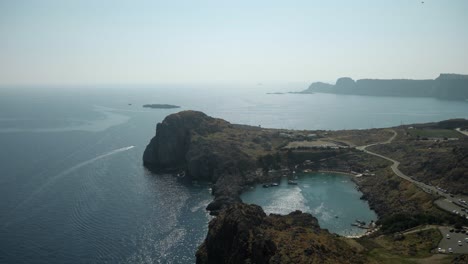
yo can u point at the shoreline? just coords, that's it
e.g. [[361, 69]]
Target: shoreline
[[368, 232]]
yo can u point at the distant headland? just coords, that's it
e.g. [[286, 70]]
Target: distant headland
[[161, 106], [446, 86]]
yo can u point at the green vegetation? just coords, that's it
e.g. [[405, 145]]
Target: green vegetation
[[298, 157], [400, 222], [359, 137], [433, 133], [402, 248], [269, 161]]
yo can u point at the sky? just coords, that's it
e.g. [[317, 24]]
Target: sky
[[144, 42]]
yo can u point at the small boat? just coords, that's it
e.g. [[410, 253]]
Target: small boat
[[360, 222], [360, 226], [274, 185], [266, 185], [291, 182]]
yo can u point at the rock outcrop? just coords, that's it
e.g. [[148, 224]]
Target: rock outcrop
[[168, 150], [245, 234], [209, 149], [345, 83]]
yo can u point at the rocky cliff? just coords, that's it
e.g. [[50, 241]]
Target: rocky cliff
[[446, 86], [451, 86], [187, 141], [245, 234], [210, 149]]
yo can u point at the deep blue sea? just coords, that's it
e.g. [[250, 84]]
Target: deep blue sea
[[72, 185]]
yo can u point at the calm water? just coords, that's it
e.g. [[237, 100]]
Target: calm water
[[332, 198], [72, 187]]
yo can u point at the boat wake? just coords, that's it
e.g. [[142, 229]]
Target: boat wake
[[62, 174]]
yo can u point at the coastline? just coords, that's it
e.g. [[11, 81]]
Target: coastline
[[235, 157]]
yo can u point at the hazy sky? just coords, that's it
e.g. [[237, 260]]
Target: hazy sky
[[116, 41]]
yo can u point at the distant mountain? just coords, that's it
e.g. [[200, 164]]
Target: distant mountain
[[446, 86]]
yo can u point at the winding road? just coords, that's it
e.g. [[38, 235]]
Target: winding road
[[446, 202]]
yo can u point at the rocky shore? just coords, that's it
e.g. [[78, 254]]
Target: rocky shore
[[245, 234]]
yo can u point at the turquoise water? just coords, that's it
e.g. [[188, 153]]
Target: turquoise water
[[73, 188], [332, 198]]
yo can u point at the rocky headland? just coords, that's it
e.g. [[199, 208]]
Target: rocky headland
[[245, 234], [210, 149], [446, 86]]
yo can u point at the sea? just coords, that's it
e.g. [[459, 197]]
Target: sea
[[73, 188]]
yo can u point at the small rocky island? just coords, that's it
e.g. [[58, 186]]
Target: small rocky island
[[161, 106], [233, 157]]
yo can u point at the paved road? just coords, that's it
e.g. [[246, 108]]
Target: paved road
[[446, 203]]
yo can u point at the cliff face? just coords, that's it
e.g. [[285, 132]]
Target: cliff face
[[211, 149], [193, 142], [245, 234], [446, 86], [345, 83], [168, 149], [318, 87], [451, 86]]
